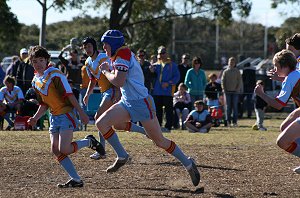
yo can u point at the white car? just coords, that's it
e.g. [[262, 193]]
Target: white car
[[6, 61]]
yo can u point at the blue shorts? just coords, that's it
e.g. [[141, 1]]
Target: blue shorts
[[63, 122], [108, 94], [140, 110]]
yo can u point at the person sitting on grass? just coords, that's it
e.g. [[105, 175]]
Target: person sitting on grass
[[181, 104], [199, 120], [11, 99]]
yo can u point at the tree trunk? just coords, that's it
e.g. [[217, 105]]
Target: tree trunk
[[42, 40]]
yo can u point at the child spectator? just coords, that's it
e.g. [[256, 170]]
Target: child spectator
[[212, 91], [13, 97], [199, 120], [181, 104], [259, 106]]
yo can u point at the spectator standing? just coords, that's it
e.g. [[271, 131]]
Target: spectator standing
[[212, 91], [167, 75], [260, 107], [199, 120], [231, 83], [13, 68], [73, 66], [25, 74], [149, 76], [195, 80], [181, 103], [183, 67], [249, 82]]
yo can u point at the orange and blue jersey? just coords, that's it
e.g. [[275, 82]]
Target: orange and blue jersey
[[125, 61], [290, 88], [11, 96], [94, 72], [53, 88]]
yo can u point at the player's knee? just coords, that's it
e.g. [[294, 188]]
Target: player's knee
[[279, 142]]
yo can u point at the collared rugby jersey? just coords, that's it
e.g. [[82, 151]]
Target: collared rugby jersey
[[94, 72], [11, 96], [133, 88], [290, 88], [53, 89]]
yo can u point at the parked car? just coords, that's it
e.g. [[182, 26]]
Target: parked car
[[6, 61], [54, 56]]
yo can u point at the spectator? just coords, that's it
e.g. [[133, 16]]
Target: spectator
[[2, 76], [149, 76], [153, 59], [195, 80], [73, 66], [13, 68], [13, 97], [183, 67], [181, 103], [260, 107], [199, 120], [167, 75], [231, 83], [24, 76], [249, 82], [212, 91]]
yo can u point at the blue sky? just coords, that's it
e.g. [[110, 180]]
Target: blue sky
[[30, 12]]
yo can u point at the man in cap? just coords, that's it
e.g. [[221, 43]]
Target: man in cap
[[167, 76], [13, 68]]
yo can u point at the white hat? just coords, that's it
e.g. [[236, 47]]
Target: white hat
[[23, 51]]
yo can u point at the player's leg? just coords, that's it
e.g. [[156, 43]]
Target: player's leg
[[289, 140], [106, 102], [154, 132], [115, 114], [291, 117]]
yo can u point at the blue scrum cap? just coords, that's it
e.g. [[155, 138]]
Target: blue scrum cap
[[114, 38]]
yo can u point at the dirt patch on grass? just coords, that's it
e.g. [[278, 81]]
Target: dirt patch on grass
[[229, 168]]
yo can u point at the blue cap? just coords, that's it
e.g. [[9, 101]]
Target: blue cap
[[114, 38]]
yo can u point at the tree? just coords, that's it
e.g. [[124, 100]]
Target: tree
[[56, 4], [9, 28]]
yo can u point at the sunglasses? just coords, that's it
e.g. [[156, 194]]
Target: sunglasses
[[162, 53], [141, 55]]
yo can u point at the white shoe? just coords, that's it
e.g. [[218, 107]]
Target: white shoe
[[97, 156], [297, 170]]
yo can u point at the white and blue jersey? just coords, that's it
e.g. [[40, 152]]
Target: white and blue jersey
[[135, 98], [94, 72], [134, 87], [290, 88]]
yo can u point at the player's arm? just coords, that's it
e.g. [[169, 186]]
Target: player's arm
[[40, 112], [268, 99], [118, 77], [83, 117], [89, 91]]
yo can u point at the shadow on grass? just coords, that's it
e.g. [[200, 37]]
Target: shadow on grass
[[200, 166], [198, 190], [224, 195]]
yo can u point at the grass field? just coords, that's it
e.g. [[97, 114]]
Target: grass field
[[234, 162]]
